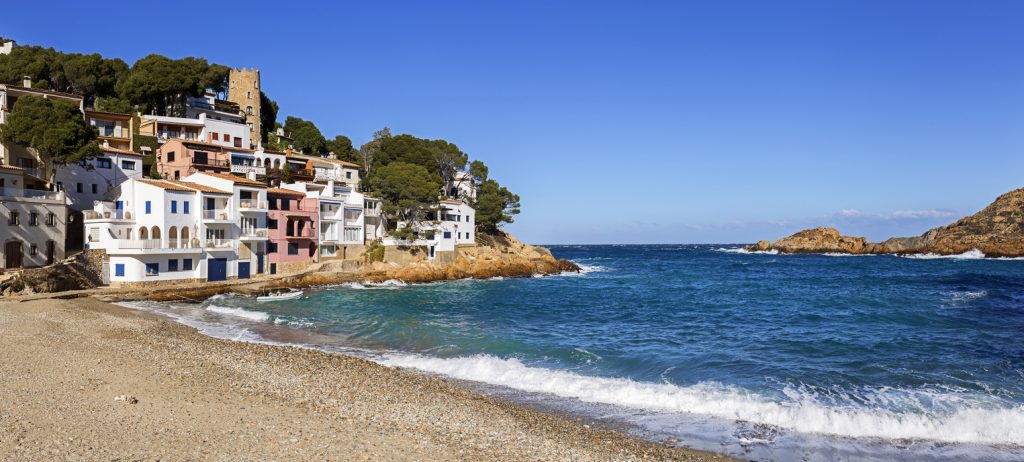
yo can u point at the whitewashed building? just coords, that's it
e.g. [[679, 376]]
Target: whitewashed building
[[451, 224], [242, 220], [89, 180], [32, 222]]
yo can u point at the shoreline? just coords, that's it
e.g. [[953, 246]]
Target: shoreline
[[203, 397]]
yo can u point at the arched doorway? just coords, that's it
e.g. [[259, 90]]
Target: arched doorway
[[154, 232], [184, 237], [172, 237], [143, 233]]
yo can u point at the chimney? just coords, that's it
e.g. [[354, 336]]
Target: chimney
[[27, 81]]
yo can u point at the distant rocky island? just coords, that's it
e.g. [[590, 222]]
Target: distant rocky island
[[996, 231]]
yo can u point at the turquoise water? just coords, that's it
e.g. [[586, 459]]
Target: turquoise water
[[767, 357]]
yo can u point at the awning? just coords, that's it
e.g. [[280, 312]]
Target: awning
[[244, 156]]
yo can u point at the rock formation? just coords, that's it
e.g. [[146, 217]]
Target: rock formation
[[996, 231]]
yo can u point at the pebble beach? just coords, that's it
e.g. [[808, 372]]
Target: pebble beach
[[87, 380]]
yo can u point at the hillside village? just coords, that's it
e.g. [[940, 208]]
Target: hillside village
[[207, 191]]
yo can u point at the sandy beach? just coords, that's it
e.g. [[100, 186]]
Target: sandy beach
[[86, 380]]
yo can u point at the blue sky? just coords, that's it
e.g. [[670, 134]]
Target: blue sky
[[638, 122]]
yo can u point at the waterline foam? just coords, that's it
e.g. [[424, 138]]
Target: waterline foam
[[948, 417]]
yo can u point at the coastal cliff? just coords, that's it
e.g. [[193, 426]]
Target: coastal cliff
[[996, 231]]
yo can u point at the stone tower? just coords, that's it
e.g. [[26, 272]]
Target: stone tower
[[244, 89]]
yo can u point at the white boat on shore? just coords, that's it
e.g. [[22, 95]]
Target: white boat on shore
[[280, 296]]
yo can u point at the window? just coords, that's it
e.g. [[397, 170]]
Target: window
[[186, 264], [174, 206], [33, 218], [272, 223], [293, 248], [215, 136], [248, 95], [272, 247], [34, 249], [184, 207], [170, 156], [78, 187], [226, 137], [460, 235], [172, 265], [94, 188], [102, 162], [51, 219], [127, 165], [238, 142], [119, 270], [149, 207], [13, 219], [248, 110], [348, 175], [152, 269], [467, 235], [447, 234]]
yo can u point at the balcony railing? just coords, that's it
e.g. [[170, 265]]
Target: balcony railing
[[107, 214], [235, 168], [252, 204], [303, 234], [254, 233], [219, 214], [211, 163], [371, 212], [325, 175], [218, 244], [139, 244], [31, 193]]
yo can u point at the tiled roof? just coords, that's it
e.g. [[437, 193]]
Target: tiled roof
[[285, 192], [235, 178], [11, 167], [173, 185], [115, 114], [200, 187], [119, 151]]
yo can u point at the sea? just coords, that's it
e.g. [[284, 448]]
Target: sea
[[757, 355]]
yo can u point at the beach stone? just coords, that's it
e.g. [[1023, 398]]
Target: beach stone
[[126, 398]]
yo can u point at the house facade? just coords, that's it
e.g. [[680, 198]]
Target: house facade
[[242, 220], [33, 222], [292, 222], [341, 228], [179, 158], [89, 180], [36, 170]]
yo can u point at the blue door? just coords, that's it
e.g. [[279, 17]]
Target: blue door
[[259, 263], [119, 210], [217, 269], [243, 270]]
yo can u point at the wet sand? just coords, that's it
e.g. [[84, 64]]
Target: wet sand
[[65, 363]]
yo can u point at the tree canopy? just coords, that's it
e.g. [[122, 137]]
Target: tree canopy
[[342, 148], [407, 190], [305, 136], [268, 116], [494, 206], [162, 85], [86, 75], [52, 126]]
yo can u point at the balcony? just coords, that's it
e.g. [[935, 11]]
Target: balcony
[[212, 163], [137, 246], [32, 194], [216, 215], [245, 169], [371, 212], [107, 215], [303, 234], [326, 175], [252, 205], [219, 244], [254, 234]]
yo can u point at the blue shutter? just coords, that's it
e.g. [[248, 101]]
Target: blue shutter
[[149, 207], [184, 206], [119, 270], [174, 206], [186, 263]]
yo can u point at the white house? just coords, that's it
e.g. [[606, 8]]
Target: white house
[[32, 222], [373, 218], [463, 187], [242, 219], [453, 223], [341, 217], [89, 180], [151, 229], [202, 128]]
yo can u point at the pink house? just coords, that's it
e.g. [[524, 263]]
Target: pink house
[[291, 227]]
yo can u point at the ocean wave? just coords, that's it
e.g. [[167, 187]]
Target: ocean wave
[[842, 254], [388, 284], [745, 251], [239, 312], [967, 295], [897, 414], [968, 255]]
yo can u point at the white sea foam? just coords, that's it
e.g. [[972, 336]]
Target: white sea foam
[[239, 312], [922, 414], [968, 255], [388, 284], [745, 251], [841, 254]]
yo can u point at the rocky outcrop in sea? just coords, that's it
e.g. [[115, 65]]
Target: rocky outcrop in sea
[[996, 231]]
